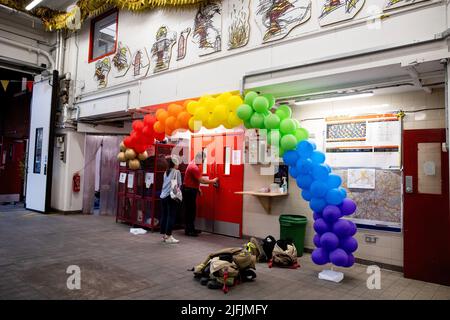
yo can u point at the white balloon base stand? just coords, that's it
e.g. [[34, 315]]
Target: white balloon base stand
[[331, 275]]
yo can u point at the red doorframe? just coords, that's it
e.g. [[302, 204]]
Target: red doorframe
[[221, 208], [426, 217]]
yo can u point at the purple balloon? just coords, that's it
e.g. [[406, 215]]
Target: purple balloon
[[348, 244], [352, 228], [320, 226], [339, 257], [342, 228], [331, 213], [316, 240], [350, 261], [329, 241], [348, 206], [320, 256], [317, 204], [334, 196], [317, 215]]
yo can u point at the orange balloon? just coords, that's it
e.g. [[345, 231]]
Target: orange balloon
[[185, 103], [183, 118], [159, 127], [162, 115], [170, 122], [178, 125], [168, 131], [174, 109]]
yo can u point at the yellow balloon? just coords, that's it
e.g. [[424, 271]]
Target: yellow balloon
[[234, 120], [192, 106], [220, 113], [203, 99], [201, 114], [234, 102], [223, 97], [210, 104], [194, 125]]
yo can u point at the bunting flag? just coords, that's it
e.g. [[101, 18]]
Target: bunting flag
[[5, 84]]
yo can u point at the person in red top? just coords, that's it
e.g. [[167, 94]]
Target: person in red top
[[191, 187]]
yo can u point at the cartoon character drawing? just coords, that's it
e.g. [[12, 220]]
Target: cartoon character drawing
[[139, 63], [120, 60], [279, 17], [392, 4], [207, 27], [182, 43], [162, 48], [239, 29], [102, 69]]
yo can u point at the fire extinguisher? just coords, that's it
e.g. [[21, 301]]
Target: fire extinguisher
[[76, 182]]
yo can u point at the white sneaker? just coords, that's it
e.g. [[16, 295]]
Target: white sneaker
[[164, 238], [171, 239]]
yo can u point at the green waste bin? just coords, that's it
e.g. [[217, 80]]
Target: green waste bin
[[293, 227]]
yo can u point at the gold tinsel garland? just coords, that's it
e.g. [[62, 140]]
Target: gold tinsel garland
[[57, 20]]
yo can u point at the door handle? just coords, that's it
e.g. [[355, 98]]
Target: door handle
[[409, 184]]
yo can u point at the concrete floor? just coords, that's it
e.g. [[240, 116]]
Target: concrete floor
[[36, 250]]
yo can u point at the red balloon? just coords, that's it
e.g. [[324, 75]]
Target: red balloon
[[149, 120], [128, 142], [140, 148], [160, 136], [138, 125]]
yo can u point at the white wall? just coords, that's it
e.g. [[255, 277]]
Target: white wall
[[63, 199], [223, 71], [389, 246]]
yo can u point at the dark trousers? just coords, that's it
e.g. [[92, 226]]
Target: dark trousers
[[190, 208], [168, 215]]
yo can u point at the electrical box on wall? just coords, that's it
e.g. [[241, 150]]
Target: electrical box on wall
[[61, 145]]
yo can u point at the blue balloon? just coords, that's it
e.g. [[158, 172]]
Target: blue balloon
[[314, 146], [304, 181], [316, 240], [328, 167], [350, 261], [290, 157], [318, 157], [318, 189], [293, 171], [329, 241], [331, 213], [306, 195], [344, 192], [320, 226], [339, 257], [320, 172], [317, 215], [342, 228], [320, 256], [334, 181], [317, 204], [304, 166], [348, 244], [334, 196], [304, 149]]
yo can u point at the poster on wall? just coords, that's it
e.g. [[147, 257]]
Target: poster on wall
[[333, 11], [276, 18], [393, 4], [208, 27], [162, 49], [121, 60], [182, 43], [239, 23], [141, 63], [102, 69]]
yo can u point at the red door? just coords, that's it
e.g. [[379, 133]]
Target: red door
[[12, 153], [426, 207], [219, 209]]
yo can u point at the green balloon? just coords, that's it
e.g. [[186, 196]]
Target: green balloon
[[249, 97], [274, 136], [286, 109], [247, 124], [257, 120], [297, 123], [301, 134], [281, 152], [281, 114], [287, 126], [272, 121], [260, 104], [288, 142], [244, 112], [271, 99]]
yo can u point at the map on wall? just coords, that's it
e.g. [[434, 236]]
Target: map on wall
[[239, 19], [381, 206], [162, 49], [333, 11], [392, 4], [276, 18], [208, 27]]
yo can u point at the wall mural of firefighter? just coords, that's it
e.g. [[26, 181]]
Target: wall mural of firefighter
[[276, 18], [162, 49], [239, 23], [141, 61], [333, 11], [182, 43], [102, 69], [208, 27], [392, 4], [122, 60]]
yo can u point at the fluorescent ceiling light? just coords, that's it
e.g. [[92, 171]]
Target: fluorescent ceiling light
[[33, 4], [335, 98]]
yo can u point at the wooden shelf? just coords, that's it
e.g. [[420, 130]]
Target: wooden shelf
[[268, 195]]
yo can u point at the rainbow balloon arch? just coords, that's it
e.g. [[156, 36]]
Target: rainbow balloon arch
[[320, 187]]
